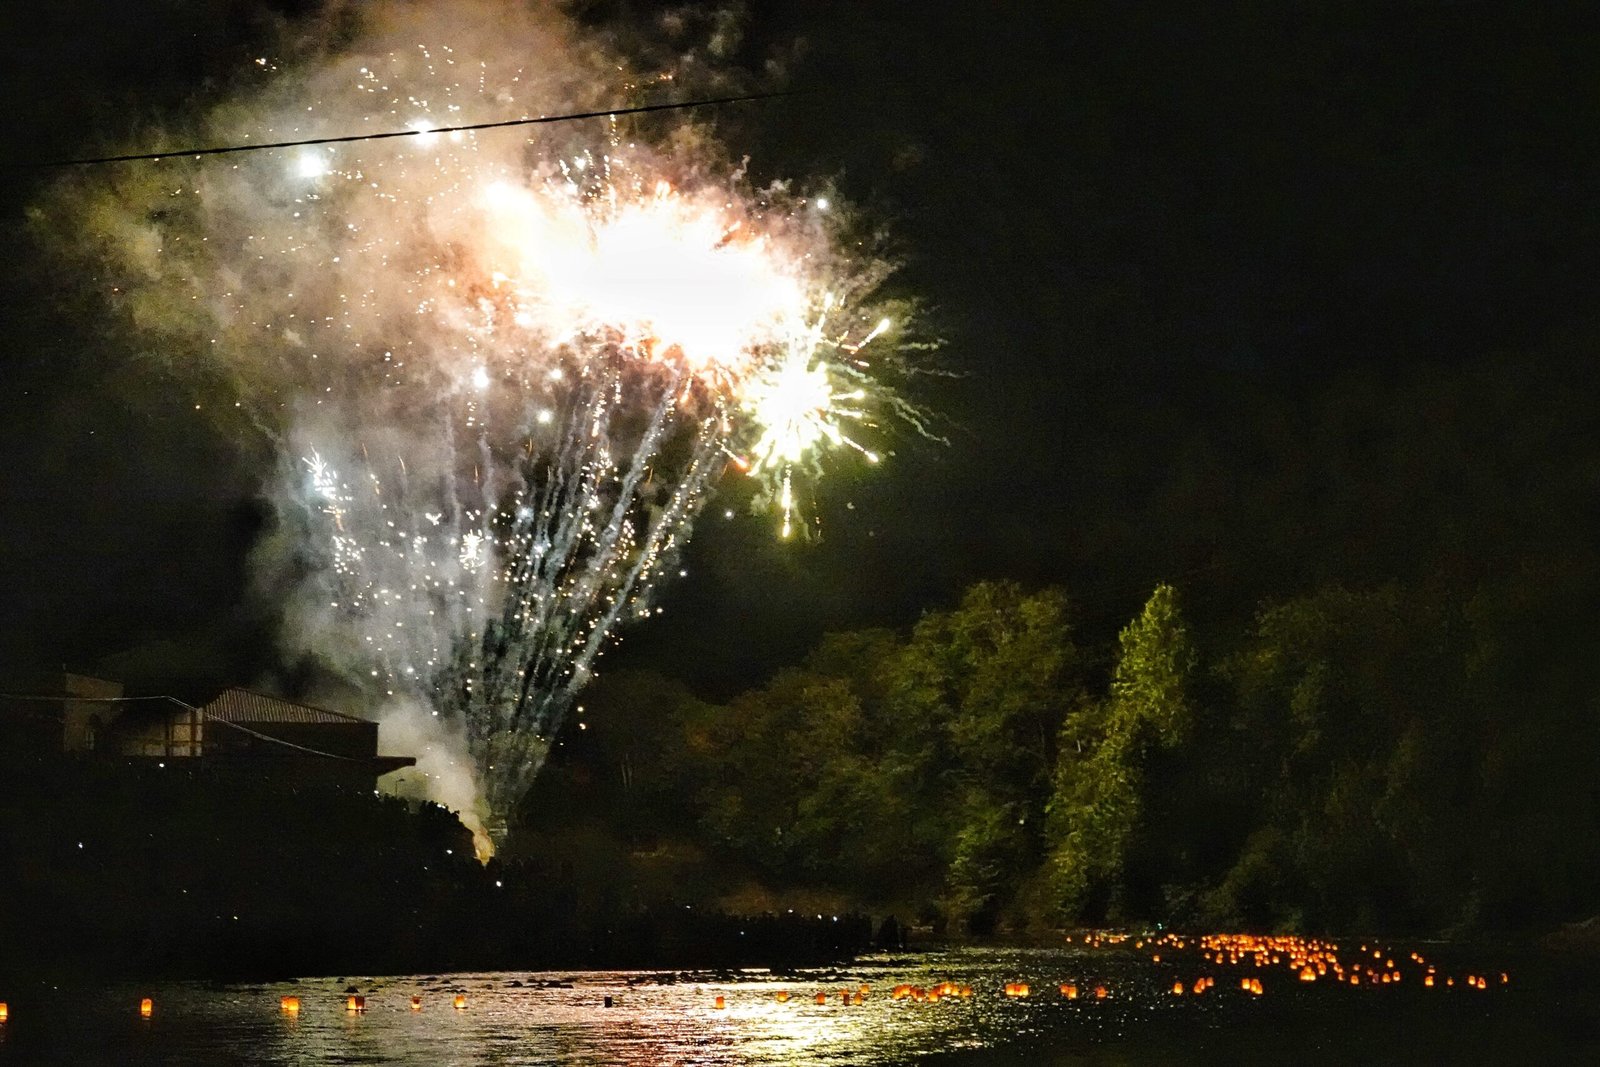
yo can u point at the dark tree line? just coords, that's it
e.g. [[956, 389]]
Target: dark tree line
[[1360, 692], [1372, 757]]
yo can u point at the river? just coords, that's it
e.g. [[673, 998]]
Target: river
[[1531, 1010]]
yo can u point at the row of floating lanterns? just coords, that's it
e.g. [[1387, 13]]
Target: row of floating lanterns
[[356, 1004], [1309, 959], [923, 994]]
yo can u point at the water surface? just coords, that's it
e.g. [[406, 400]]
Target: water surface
[[560, 1018]]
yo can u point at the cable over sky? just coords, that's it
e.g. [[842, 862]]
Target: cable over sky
[[534, 120]]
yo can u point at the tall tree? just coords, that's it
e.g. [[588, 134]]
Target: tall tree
[[1095, 801]]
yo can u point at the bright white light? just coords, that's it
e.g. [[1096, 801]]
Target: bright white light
[[311, 165], [822, 203], [480, 379]]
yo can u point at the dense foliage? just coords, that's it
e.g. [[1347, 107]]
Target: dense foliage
[[1353, 758]]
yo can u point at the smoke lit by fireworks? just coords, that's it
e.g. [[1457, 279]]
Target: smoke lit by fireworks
[[508, 370]]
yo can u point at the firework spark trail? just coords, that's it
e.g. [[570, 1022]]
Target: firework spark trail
[[505, 372]]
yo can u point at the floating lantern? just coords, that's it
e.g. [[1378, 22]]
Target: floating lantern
[[289, 1005], [857, 999], [720, 1003], [782, 996], [1427, 980], [1100, 992], [5, 1011], [1307, 974], [1069, 991], [1177, 989], [416, 1003], [147, 1008], [822, 998], [460, 1003], [355, 1005]]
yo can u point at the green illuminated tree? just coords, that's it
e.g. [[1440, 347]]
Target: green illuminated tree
[[1095, 802]]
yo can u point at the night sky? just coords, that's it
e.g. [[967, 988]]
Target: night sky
[[1150, 238]]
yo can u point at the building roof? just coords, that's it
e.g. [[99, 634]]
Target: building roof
[[243, 706]]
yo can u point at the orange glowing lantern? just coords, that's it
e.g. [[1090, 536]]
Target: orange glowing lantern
[[289, 1005], [1069, 991], [720, 1002], [460, 1002], [1307, 974], [1428, 981], [416, 1003], [857, 999], [822, 998], [5, 1011], [355, 1005], [782, 996], [1100, 992], [1177, 989], [147, 1008]]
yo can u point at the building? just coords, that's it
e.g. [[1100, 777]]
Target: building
[[237, 733]]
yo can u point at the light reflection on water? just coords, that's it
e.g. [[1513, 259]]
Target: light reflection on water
[[649, 1023]]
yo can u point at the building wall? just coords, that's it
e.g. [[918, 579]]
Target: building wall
[[175, 733], [83, 722]]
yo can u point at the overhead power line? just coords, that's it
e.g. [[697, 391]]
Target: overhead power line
[[537, 120]]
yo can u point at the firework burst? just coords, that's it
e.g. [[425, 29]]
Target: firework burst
[[506, 372]]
